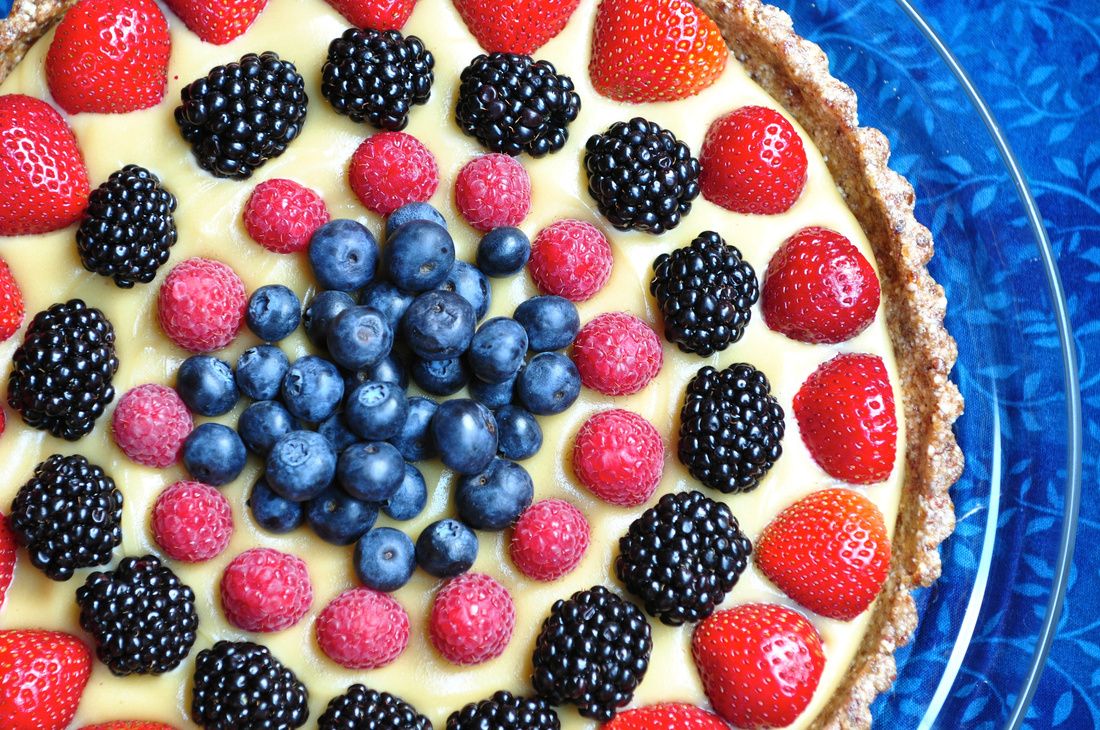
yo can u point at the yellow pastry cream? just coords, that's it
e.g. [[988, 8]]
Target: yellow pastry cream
[[209, 221]]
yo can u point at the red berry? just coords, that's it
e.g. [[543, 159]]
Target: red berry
[[192, 522], [42, 677], [617, 354], [752, 162], [217, 21], [129, 725], [549, 539], [493, 191], [363, 629], [282, 215], [265, 590], [375, 14], [846, 415], [391, 169], [11, 304], [619, 457], [201, 305], [759, 663], [472, 619], [571, 259], [515, 26], [667, 716], [8, 546], [43, 181], [819, 288], [150, 425]]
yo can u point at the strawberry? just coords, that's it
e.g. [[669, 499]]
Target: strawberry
[[375, 14], [43, 181], [109, 57], [828, 551], [42, 676], [846, 415], [7, 552], [668, 716], [654, 50], [11, 307], [515, 26], [217, 21], [759, 663]]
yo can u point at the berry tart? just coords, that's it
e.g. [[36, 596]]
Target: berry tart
[[530, 365]]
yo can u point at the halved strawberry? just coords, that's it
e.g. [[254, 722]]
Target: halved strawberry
[[846, 415], [759, 662], [217, 21], [43, 181], [515, 26], [42, 677], [375, 14], [109, 57], [654, 50], [11, 308], [8, 545], [668, 716]]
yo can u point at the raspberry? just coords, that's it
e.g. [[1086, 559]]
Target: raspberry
[[281, 215], [571, 259], [617, 354], [201, 305], [150, 425], [619, 457], [549, 539], [391, 169], [11, 304], [192, 522], [265, 590], [472, 619], [363, 629], [493, 191]]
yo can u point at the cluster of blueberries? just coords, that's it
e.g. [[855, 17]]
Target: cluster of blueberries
[[340, 435]]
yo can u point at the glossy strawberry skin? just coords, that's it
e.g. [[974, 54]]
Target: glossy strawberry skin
[[668, 716], [8, 545], [515, 26], [42, 677], [109, 57], [43, 181], [375, 14], [12, 308], [217, 21], [847, 419], [654, 50]]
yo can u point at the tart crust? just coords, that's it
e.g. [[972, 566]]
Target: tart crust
[[796, 74]]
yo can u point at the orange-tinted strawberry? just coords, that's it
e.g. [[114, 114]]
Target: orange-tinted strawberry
[[42, 677], [11, 306], [129, 725], [828, 551], [668, 716], [846, 415], [375, 14], [515, 26], [654, 50], [217, 21], [759, 663], [8, 545]]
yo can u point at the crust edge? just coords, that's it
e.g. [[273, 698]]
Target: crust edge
[[28, 21]]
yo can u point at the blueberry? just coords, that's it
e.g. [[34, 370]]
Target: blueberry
[[376, 411], [466, 434], [470, 284], [322, 309], [344, 255], [440, 377], [384, 559], [413, 212], [518, 433], [262, 424], [274, 311], [335, 429], [386, 298], [495, 498], [214, 454], [389, 369], [503, 251], [300, 465], [549, 384], [414, 441], [498, 350], [418, 256], [206, 385], [312, 389], [409, 499], [359, 337], [272, 512], [371, 472], [446, 548], [260, 372], [438, 325], [493, 395], [339, 518], [551, 322]]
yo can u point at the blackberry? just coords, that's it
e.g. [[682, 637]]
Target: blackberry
[[592, 652], [705, 291], [731, 428], [128, 228], [239, 685], [141, 616], [503, 711], [62, 373], [377, 77], [366, 709], [68, 515], [682, 556], [513, 104], [242, 114], [641, 176]]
